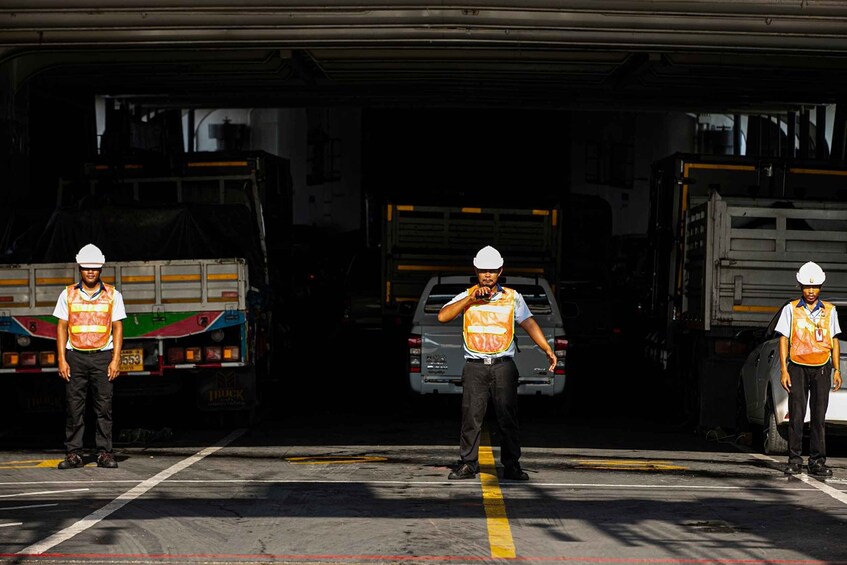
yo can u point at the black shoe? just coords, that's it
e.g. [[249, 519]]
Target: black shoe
[[515, 473], [72, 461], [820, 470], [107, 460], [793, 469], [463, 471]]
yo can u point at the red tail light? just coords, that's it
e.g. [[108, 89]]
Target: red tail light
[[214, 353], [176, 355], [560, 348], [29, 359], [414, 342]]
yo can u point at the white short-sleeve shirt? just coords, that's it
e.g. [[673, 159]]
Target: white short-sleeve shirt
[[118, 310]]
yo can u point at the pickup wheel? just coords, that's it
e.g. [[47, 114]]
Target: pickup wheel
[[775, 438]]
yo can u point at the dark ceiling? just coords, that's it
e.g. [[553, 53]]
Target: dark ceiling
[[696, 55]]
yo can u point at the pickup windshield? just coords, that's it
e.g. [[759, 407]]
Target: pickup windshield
[[534, 296]]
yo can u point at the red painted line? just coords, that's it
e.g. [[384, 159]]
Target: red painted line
[[334, 557]]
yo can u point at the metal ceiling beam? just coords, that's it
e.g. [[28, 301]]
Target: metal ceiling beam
[[772, 26]]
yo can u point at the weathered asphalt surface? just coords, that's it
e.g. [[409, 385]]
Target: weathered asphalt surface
[[336, 474]]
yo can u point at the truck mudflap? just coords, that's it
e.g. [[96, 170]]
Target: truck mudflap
[[226, 389]]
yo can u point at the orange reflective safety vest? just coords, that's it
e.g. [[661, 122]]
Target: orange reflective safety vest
[[489, 327], [90, 321], [810, 342]]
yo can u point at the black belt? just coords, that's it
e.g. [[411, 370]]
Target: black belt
[[90, 351], [489, 360]]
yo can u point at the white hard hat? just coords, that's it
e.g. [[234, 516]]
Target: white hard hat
[[811, 274], [488, 258], [90, 257]]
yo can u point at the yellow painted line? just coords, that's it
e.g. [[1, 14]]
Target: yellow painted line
[[405, 208], [14, 282], [222, 277], [54, 280], [139, 301], [335, 460], [541, 212], [628, 465], [499, 532], [138, 279], [29, 464], [755, 308], [555, 218], [471, 210], [817, 172], [180, 278], [180, 300], [217, 164], [719, 166]]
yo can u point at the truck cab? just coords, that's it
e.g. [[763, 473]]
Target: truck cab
[[436, 355]]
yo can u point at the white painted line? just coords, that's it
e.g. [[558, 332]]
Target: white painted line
[[42, 492], [29, 506], [821, 486], [12, 524], [20, 483], [127, 497]]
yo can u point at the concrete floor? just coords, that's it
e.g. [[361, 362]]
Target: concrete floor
[[348, 468], [274, 494]]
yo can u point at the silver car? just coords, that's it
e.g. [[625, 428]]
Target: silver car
[[765, 403], [436, 356]]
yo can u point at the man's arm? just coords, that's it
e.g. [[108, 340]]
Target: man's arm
[[534, 331], [836, 363], [61, 344], [784, 377], [450, 310], [117, 342]]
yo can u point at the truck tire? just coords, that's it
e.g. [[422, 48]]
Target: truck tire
[[775, 438]]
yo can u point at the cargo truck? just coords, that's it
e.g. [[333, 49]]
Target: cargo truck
[[421, 241], [187, 246], [727, 235]]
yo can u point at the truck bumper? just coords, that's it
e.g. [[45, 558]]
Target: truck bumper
[[443, 385]]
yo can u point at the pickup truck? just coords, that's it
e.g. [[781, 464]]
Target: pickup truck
[[436, 356]]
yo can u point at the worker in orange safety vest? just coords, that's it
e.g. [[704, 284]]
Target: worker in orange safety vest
[[89, 337], [490, 312], [809, 355]]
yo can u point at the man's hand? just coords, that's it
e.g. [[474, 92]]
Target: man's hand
[[836, 379], [482, 292], [64, 370], [551, 357], [114, 369], [785, 381]]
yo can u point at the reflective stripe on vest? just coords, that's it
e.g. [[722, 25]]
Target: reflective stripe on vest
[[489, 327], [804, 348], [90, 321]]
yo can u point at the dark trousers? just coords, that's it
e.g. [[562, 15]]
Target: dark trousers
[[88, 371], [808, 384], [500, 383]]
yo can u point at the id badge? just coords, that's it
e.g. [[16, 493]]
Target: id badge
[[818, 334]]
